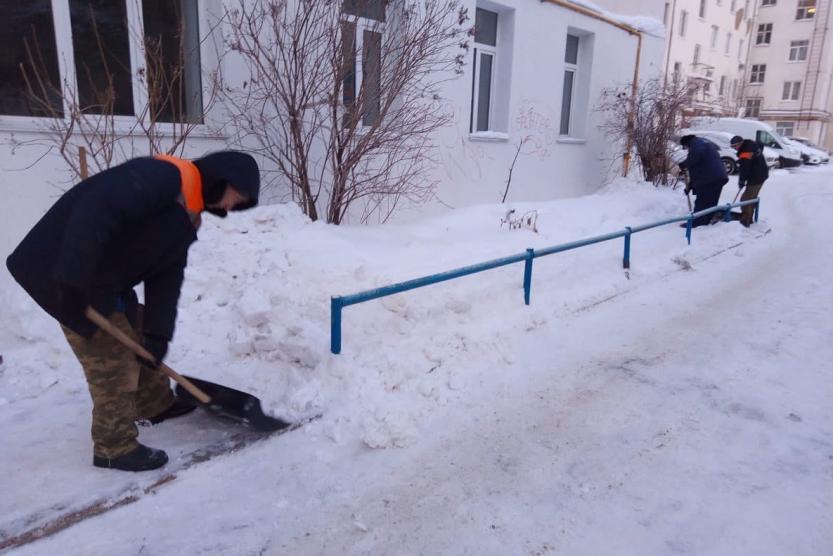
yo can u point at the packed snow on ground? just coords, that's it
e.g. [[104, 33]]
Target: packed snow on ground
[[683, 407]]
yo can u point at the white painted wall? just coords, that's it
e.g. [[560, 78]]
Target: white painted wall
[[474, 170], [471, 169]]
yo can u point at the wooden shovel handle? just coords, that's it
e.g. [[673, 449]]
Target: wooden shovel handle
[[129, 342]]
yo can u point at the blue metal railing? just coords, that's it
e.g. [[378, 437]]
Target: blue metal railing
[[338, 303]]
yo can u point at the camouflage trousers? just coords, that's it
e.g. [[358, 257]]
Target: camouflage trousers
[[122, 389], [748, 212]]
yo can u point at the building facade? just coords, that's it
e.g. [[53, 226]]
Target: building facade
[[790, 67], [532, 74]]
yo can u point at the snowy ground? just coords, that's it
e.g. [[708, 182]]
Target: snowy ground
[[684, 410]]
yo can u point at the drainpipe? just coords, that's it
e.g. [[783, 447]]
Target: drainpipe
[[626, 158], [670, 36]]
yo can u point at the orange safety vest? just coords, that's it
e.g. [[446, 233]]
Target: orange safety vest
[[191, 182]]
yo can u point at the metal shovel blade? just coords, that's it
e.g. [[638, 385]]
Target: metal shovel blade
[[233, 404]]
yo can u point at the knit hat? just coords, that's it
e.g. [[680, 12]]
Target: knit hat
[[735, 140], [237, 169]]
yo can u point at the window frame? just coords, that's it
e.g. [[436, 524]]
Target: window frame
[[480, 49], [791, 91], [806, 7], [763, 37], [765, 3], [68, 72], [683, 22], [701, 12], [757, 74], [752, 107], [782, 127], [797, 49], [573, 69], [715, 37], [361, 25]]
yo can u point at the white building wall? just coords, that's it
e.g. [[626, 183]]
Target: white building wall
[[810, 112], [475, 168], [472, 168]]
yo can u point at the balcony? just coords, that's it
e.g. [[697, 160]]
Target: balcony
[[701, 73]]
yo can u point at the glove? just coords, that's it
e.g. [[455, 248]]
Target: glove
[[157, 346]]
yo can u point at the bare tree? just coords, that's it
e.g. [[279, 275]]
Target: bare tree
[[95, 125], [658, 113], [344, 96]]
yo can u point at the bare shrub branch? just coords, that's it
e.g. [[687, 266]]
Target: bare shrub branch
[[658, 113]]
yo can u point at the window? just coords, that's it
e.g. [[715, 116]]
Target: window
[[806, 9], [98, 41], [798, 50], [764, 33], [570, 69], [683, 22], [740, 49], [752, 107], [665, 13], [715, 31], [101, 45], [362, 27], [722, 89], [785, 128], [758, 73], [171, 36], [485, 53], [27, 29], [696, 59], [733, 6], [767, 2], [702, 12], [791, 90], [728, 45], [678, 71]]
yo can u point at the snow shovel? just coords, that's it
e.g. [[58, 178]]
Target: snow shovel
[[218, 399]]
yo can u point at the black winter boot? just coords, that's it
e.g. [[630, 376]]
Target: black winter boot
[[141, 458]]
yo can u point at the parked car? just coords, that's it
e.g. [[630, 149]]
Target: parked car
[[809, 155], [729, 156], [809, 144], [752, 129]]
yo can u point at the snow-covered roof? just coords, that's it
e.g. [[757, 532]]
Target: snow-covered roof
[[649, 25]]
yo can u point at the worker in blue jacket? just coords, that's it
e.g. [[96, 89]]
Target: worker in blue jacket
[[706, 173]]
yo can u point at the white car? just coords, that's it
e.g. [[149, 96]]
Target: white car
[[809, 155], [756, 130], [728, 155], [810, 144]]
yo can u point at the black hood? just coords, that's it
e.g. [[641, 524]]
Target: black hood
[[229, 168]]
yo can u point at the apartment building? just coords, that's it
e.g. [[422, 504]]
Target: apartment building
[[706, 45], [790, 67]]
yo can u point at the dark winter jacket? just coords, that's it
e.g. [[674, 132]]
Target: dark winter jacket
[[104, 236], [753, 168], [705, 169]]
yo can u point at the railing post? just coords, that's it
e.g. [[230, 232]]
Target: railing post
[[626, 258], [688, 229], [336, 304], [530, 255], [727, 214], [757, 208]]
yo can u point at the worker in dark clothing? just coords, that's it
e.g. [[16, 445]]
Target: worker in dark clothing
[[706, 173], [752, 174], [130, 224]]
